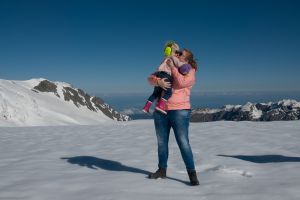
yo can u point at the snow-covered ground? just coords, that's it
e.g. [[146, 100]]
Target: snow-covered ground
[[261, 160]]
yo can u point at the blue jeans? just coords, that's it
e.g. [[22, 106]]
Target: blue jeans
[[178, 120]]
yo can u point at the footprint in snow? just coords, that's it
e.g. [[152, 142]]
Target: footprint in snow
[[222, 168]]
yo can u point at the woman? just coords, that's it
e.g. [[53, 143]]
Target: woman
[[178, 117]]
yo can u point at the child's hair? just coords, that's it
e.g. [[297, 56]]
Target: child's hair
[[190, 59], [170, 48]]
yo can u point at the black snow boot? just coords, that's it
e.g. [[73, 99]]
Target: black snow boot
[[193, 177], [160, 173]]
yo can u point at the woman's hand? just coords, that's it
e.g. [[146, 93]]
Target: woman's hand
[[163, 83]]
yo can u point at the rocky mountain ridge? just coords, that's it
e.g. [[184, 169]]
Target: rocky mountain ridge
[[286, 109], [80, 98]]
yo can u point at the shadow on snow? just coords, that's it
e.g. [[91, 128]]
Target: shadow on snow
[[96, 163], [264, 158]]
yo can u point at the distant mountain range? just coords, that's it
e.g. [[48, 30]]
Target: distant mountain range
[[283, 110], [42, 102]]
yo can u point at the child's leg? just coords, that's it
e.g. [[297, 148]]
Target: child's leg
[[168, 92], [161, 105], [156, 94]]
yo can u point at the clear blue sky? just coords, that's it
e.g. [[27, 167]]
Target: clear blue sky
[[112, 46]]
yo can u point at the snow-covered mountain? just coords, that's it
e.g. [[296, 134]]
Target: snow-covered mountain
[[40, 102], [283, 110]]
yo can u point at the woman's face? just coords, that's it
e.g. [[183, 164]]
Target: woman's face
[[183, 56]]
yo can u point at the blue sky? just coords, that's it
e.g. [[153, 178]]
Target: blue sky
[[112, 46]]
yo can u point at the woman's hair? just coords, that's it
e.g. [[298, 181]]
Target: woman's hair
[[190, 59]]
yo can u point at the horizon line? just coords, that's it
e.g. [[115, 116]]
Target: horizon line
[[202, 92]]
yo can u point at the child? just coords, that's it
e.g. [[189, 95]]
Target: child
[[172, 59]]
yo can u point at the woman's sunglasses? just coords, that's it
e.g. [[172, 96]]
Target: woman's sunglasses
[[178, 52]]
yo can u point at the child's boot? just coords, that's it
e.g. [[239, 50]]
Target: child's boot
[[147, 107], [161, 106]]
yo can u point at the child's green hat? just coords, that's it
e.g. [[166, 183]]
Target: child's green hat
[[169, 47]]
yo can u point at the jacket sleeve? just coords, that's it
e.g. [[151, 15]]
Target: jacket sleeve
[[183, 81]]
